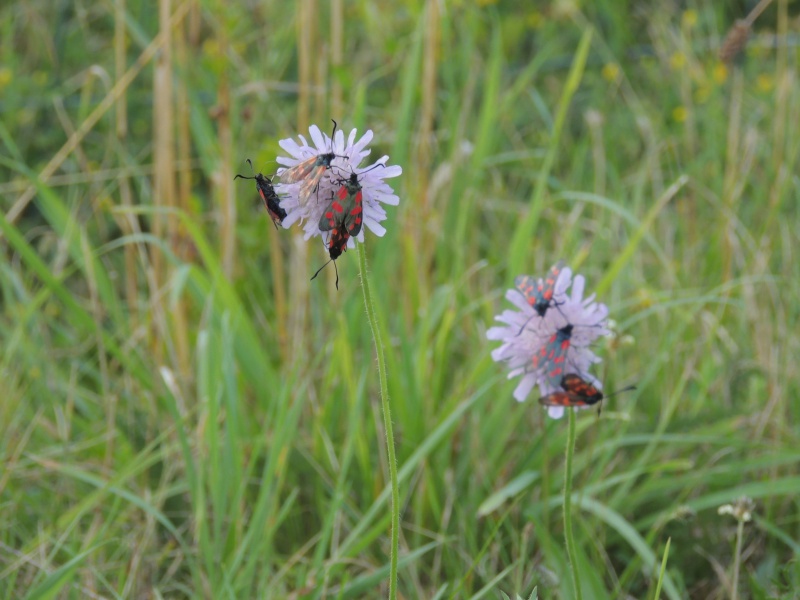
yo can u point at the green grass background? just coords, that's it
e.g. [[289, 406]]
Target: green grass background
[[184, 414]]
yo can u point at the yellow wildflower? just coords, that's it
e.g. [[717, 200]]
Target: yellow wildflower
[[677, 61], [689, 18], [611, 72], [720, 73], [765, 82], [5, 77]]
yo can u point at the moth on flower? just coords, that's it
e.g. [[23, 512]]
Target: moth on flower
[[543, 349], [308, 172], [577, 393], [343, 218], [540, 293], [268, 195], [328, 162]]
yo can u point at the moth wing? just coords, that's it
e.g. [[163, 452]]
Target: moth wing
[[526, 286], [331, 217], [560, 398], [310, 184], [354, 217], [551, 359], [298, 172]]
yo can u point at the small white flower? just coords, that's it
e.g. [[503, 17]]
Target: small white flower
[[741, 509], [306, 203], [568, 327]]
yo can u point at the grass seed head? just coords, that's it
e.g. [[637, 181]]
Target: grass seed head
[[735, 41]]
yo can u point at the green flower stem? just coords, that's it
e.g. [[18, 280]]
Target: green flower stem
[[737, 559], [372, 317], [571, 553]]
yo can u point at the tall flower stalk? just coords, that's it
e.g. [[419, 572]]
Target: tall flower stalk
[[546, 342], [374, 326], [326, 191], [570, 540]]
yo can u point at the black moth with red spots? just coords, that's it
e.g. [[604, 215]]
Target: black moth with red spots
[[343, 217], [271, 200], [538, 293], [577, 392], [310, 171], [554, 354]]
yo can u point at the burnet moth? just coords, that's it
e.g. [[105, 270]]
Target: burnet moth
[[310, 171], [538, 293], [576, 391], [271, 200], [343, 217]]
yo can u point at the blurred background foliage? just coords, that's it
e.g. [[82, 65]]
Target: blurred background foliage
[[184, 414]]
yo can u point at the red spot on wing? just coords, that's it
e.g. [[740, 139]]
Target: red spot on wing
[[556, 356], [562, 399], [525, 284], [575, 384]]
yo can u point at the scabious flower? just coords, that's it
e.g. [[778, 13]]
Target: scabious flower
[[349, 155], [543, 349]]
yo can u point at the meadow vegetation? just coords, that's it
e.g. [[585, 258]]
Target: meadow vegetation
[[184, 414]]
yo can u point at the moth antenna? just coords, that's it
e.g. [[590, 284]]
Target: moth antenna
[[557, 304], [242, 176], [338, 168], [525, 324], [614, 393], [371, 168], [322, 267], [333, 133], [562, 313]]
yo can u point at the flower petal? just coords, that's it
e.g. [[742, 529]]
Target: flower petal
[[361, 144], [524, 388], [375, 227], [316, 136]]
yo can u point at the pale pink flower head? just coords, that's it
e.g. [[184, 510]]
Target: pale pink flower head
[[542, 349]]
